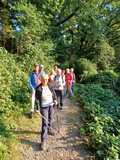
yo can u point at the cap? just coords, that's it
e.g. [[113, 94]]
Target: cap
[[41, 65], [44, 76]]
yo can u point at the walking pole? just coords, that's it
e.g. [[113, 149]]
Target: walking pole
[[57, 117]]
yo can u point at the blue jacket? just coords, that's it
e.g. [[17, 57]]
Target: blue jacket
[[33, 80]]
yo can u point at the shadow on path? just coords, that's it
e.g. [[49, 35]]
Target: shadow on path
[[35, 145], [24, 132]]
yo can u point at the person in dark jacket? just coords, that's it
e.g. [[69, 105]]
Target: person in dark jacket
[[47, 98]]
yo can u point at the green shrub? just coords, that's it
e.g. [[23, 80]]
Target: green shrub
[[106, 98], [7, 66], [106, 56], [107, 79], [11, 82], [117, 85], [38, 53], [101, 108], [3, 151], [86, 68]]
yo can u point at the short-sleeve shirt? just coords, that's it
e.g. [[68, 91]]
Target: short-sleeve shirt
[[47, 98]]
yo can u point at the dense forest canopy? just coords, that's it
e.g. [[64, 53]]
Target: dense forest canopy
[[77, 29]]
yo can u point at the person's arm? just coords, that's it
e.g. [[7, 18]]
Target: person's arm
[[29, 81], [71, 78], [53, 94], [63, 79], [38, 95], [74, 78]]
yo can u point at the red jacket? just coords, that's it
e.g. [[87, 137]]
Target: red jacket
[[68, 78]]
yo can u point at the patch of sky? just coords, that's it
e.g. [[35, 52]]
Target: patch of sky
[[16, 26], [108, 6]]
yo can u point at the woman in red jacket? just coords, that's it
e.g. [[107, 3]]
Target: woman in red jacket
[[68, 81]]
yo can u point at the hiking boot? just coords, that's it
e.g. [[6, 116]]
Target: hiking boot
[[30, 115], [61, 108], [51, 132], [44, 146]]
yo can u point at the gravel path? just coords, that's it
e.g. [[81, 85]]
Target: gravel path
[[66, 145]]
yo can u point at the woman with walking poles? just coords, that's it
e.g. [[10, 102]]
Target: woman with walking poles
[[47, 99]]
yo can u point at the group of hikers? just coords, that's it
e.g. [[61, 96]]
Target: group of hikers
[[48, 91]]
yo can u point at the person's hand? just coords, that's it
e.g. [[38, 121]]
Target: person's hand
[[39, 81], [55, 102]]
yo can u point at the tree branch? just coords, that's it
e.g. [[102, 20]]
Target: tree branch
[[67, 18]]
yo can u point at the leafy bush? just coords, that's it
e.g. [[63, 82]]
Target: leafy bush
[[86, 68], [106, 56], [7, 66], [3, 153], [117, 85], [101, 108], [107, 79], [12, 80], [39, 53]]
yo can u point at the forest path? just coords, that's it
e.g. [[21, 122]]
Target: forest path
[[66, 145]]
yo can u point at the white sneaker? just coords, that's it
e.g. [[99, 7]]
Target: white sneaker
[[37, 111], [44, 146]]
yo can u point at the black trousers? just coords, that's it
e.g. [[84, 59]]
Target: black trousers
[[47, 120], [59, 97]]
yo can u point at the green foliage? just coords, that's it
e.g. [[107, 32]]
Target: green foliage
[[106, 56], [89, 30], [39, 53], [7, 65], [86, 68], [107, 79], [3, 149], [101, 108], [33, 42], [32, 27], [13, 84], [5, 139], [117, 85]]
